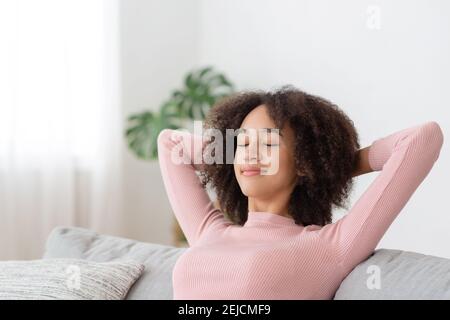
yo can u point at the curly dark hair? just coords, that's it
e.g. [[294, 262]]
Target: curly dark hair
[[326, 142]]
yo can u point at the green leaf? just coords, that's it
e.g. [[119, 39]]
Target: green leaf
[[204, 71], [202, 89]]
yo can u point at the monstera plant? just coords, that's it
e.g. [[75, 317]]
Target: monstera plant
[[201, 89]]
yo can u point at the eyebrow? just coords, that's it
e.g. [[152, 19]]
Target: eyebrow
[[244, 130]]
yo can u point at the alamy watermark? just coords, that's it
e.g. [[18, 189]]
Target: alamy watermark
[[374, 280], [253, 147], [73, 280], [373, 20]]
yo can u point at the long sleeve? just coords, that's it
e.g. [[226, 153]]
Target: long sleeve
[[190, 202], [404, 159]]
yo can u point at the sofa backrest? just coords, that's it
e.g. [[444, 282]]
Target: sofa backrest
[[386, 274], [394, 274]]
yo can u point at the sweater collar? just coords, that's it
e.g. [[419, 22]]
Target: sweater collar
[[255, 217]]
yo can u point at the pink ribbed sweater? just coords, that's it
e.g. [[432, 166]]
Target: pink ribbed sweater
[[271, 257]]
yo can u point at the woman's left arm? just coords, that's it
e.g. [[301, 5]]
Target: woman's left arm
[[404, 159]]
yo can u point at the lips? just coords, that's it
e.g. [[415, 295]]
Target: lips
[[248, 170]]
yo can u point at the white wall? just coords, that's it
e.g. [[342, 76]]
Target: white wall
[[385, 79], [159, 44]]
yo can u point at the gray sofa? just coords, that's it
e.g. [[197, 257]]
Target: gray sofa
[[401, 274]]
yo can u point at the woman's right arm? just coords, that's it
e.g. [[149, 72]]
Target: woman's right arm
[[190, 202]]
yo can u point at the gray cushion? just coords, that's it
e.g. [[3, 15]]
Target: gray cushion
[[402, 274], [67, 279], [156, 280]]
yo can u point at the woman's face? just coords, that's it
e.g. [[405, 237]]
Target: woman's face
[[264, 162]]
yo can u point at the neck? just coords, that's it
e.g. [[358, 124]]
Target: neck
[[276, 204]]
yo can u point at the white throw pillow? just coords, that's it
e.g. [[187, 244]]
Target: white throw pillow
[[71, 279]]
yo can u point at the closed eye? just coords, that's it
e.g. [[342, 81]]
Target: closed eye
[[267, 144]]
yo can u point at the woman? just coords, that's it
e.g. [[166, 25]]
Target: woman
[[272, 236]]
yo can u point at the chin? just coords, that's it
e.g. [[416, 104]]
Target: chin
[[252, 191]]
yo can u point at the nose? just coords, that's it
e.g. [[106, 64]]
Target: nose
[[252, 153]]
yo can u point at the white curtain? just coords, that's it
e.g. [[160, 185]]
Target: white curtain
[[60, 121]]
